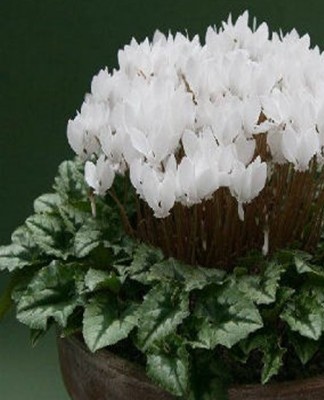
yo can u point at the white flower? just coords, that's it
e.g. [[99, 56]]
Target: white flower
[[159, 192], [184, 117], [83, 131], [300, 147], [156, 187], [82, 141], [102, 85], [99, 176], [247, 182]]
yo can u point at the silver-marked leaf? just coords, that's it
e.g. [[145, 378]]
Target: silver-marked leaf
[[262, 289], [191, 277], [98, 279], [304, 314], [87, 238], [70, 183], [53, 293], [170, 370], [23, 251], [13, 257], [50, 235], [272, 360], [74, 216], [104, 325], [47, 203], [227, 316], [303, 266], [144, 257], [305, 348], [163, 309], [268, 344]]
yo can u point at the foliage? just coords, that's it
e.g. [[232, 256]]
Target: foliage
[[194, 325], [104, 324]]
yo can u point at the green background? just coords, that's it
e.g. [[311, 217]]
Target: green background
[[49, 50]]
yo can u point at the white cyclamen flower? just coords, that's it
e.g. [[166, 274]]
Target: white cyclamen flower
[[99, 176], [184, 118]]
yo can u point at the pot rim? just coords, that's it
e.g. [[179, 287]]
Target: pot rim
[[117, 363], [236, 392]]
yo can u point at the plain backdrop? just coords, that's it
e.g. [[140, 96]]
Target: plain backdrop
[[49, 50]]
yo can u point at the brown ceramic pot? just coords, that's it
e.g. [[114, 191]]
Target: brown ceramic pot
[[105, 376]]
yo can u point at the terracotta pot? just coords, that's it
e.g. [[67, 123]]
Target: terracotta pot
[[105, 376]]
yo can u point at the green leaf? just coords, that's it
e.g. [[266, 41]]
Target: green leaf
[[21, 252], [104, 325], [190, 277], [272, 360], [50, 235], [317, 290], [267, 343], [13, 257], [284, 294], [262, 289], [226, 316], [144, 257], [125, 248], [163, 309], [53, 293], [98, 279], [257, 340], [303, 265], [87, 238], [74, 216], [47, 203], [170, 369], [305, 348], [73, 212], [70, 183], [304, 314]]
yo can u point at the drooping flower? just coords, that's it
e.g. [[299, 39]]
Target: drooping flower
[[99, 176]]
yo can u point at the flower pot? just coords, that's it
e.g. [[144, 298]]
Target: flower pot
[[105, 376]]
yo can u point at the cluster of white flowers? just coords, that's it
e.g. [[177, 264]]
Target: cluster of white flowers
[[183, 117]]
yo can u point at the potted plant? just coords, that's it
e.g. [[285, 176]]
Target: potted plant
[[186, 236]]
